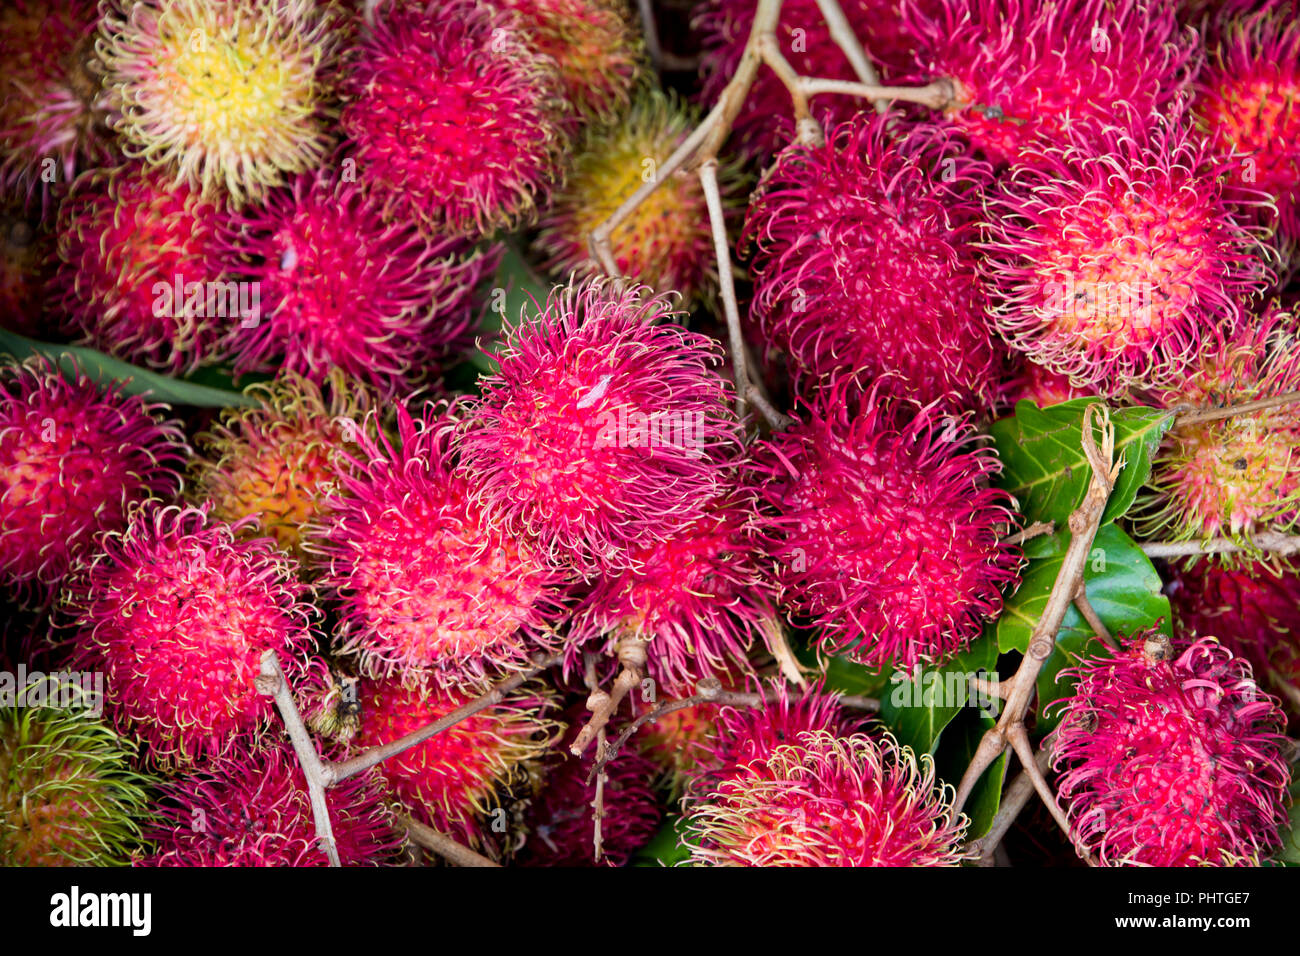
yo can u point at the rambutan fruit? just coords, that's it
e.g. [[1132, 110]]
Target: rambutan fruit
[[1028, 73], [1113, 260], [1235, 476], [677, 744], [137, 270], [463, 780], [763, 125], [823, 800], [51, 113], [453, 117], [177, 612], [597, 46], [863, 266], [1253, 610], [68, 795], [27, 251], [275, 462], [604, 429], [252, 808], [1172, 756], [666, 242], [427, 585], [73, 458], [1245, 100], [226, 97], [1044, 387], [885, 533], [340, 285], [697, 599]]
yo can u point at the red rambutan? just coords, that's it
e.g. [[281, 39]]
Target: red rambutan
[[604, 429], [73, 458], [1172, 756]]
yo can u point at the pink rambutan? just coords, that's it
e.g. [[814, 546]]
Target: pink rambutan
[[1044, 387], [341, 285], [177, 613], [252, 808], [462, 780], [137, 270], [275, 462], [604, 429], [885, 533], [427, 585], [1253, 610], [666, 242], [73, 458], [1245, 99], [863, 264], [823, 800], [1028, 73], [1114, 260], [228, 97], [51, 109], [1172, 756], [453, 117]]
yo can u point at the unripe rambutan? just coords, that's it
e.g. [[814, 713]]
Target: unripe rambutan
[[460, 780], [228, 97], [453, 117], [178, 613], [763, 125], [1245, 99], [604, 428], [275, 462], [1114, 260], [1238, 475], [863, 264], [428, 586], [68, 796], [827, 801], [137, 270], [666, 242], [697, 599], [73, 459], [885, 533], [597, 46], [1027, 73], [252, 808], [341, 286], [1172, 756], [27, 253], [1253, 610]]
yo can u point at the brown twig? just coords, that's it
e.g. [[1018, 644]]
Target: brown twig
[[1035, 530], [1013, 801], [1201, 415], [443, 845], [1090, 615], [766, 17], [726, 282], [1272, 541], [842, 33], [808, 132], [775, 420], [1019, 738], [631, 654], [938, 95], [598, 802]]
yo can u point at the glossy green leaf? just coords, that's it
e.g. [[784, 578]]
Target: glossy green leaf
[[666, 848], [918, 706]]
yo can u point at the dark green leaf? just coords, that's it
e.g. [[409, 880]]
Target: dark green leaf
[[516, 292], [666, 848], [841, 674], [960, 741], [918, 706]]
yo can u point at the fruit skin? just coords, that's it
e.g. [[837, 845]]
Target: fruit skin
[[1245, 100], [428, 588], [462, 780], [275, 462], [127, 236], [823, 800], [1029, 73], [883, 531], [73, 459], [605, 429], [227, 97], [1239, 475], [452, 117], [1171, 756], [252, 808], [68, 795], [863, 266], [343, 285], [177, 613], [1116, 257], [666, 242], [51, 111]]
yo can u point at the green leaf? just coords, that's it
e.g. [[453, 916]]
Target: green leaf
[[918, 706], [842, 674], [516, 292], [1044, 466], [1289, 855], [666, 848], [134, 380], [960, 742]]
